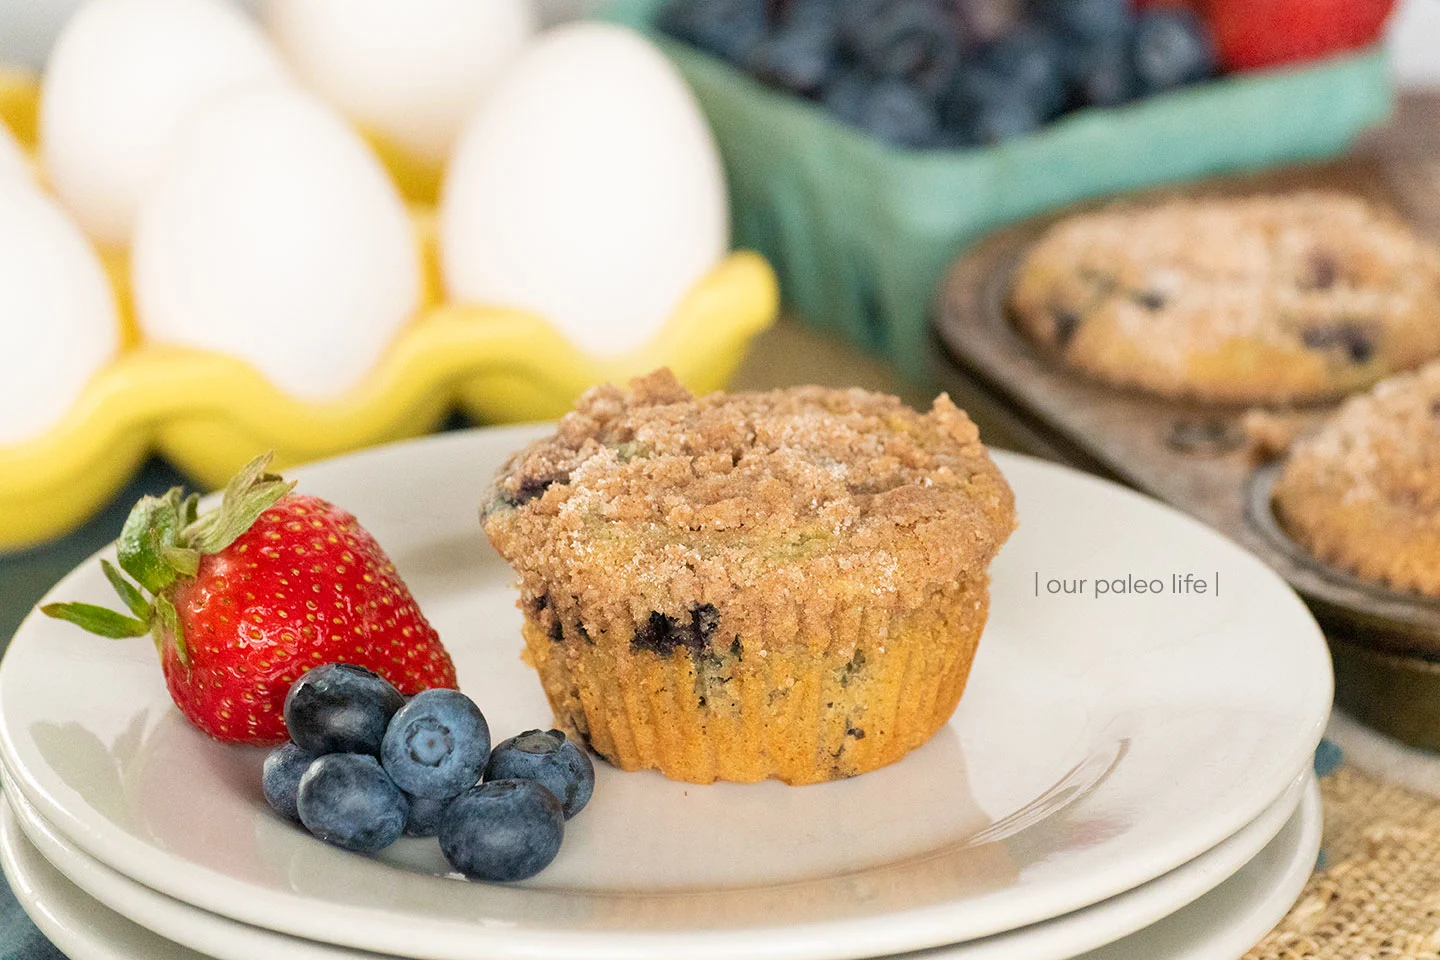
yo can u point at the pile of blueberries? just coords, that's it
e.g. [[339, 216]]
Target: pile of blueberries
[[948, 74], [365, 766]]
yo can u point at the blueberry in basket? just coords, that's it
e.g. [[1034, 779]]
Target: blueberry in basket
[[1027, 62], [1171, 48], [1085, 19], [899, 114], [916, 43], [1009, 86], [367, 767], [730, 29], [942, 74], [1101, 72]]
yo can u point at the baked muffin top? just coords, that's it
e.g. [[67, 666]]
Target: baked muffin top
[[1363, 491], [1274, 297], [657, 498]]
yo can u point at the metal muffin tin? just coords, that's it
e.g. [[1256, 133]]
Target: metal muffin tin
[[1194, 456]]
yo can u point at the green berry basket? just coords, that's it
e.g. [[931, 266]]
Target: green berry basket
[[861, 233]]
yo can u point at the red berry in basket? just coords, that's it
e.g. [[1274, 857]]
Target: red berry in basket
[[1250, 34], [243, 600]]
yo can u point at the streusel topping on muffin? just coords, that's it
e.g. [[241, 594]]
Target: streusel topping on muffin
[[1363, 491], [812, 491]]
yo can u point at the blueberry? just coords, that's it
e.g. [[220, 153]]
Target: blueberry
[[1027, 64], [1151, 300], [529, 488], [502, 831], [550, 759], [852, 15], [896, 113], [984, 108], [799, 57], [1067, 322], [661, 634], [1101, 73], [1171, 47], [437, 745], [955, 138], [1086, 19], [1328, 758], [1005, 120], [347, 800], [1324, 271], [730, 29], [911, 40], [340, 708], [1357, 343], [845, 96], [425, 816], [281, 780], [795, 12]]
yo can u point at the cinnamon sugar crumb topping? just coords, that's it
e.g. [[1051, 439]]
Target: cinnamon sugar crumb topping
[[653, 498], [1382, 446]]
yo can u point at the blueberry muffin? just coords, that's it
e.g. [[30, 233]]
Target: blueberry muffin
[[737, 587], [1363, 491], [1251, 300]]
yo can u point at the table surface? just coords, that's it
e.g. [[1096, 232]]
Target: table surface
[[1325, 923]]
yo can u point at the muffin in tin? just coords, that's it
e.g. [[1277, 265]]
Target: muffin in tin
[[1362, 492], [1262, 299], [737, 587]]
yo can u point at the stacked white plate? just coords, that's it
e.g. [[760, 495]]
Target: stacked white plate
[[1128, 774]]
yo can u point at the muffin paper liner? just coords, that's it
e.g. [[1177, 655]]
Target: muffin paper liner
[[751, 708]]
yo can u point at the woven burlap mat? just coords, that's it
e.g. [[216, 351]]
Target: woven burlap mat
[[1377, 897]]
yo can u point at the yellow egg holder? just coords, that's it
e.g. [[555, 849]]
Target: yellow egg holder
[[209, 414]]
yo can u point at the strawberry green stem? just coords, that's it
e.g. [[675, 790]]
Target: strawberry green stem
[[161, 543]]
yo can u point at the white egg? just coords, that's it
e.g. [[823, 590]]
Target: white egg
[[14, 164], [412, 72], [587, 189], [124, 76], [275, 236], [57, 312]]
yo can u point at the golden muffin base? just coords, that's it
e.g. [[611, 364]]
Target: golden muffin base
[[780, 709]]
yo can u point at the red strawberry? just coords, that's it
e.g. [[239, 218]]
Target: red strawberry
[[243, 600], [1250, 34]]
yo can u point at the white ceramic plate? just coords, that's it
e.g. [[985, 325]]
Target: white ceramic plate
[[79, 926], [1222, 925], [1054, 939], [1225, 923], [1103, 742]]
